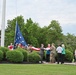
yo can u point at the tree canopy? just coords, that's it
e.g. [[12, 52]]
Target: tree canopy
[[36, 35]]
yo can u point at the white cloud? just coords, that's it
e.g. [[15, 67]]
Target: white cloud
[[43, 11]]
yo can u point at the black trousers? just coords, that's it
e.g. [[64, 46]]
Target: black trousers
[[41, 55], [59, 57], [47, 57], [63, 58]]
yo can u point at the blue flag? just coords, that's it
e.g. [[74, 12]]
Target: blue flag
[[18, 37]]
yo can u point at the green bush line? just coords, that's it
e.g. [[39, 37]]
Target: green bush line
[[20, 55]]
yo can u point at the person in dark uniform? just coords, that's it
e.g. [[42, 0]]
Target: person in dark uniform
[[42, 52]]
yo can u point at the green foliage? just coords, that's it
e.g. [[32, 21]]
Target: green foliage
[[32, 31], [34, 57], [54, 32], [1, 55], [4, 50], [37, 35], [70, 42], [14, 56], [44, 56], [10, 30], [51, 34], [69, 56], [24, 52]]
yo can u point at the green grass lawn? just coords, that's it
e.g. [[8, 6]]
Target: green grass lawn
[[37, 69]]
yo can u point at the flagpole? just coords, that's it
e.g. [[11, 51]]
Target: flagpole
[[3, 23]]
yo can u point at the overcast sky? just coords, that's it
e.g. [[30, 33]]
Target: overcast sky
[[43, 12]]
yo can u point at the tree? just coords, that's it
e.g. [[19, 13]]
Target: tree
[[70, 42], [10, 29], [54, 32], [32, 31]]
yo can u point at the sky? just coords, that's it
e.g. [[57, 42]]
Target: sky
[[43, 12]]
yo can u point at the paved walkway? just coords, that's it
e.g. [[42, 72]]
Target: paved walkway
[[74, 63], [66, 63]]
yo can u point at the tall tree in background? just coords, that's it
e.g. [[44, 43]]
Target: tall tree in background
[[31, 32], [54, 32], [35, 35], [10, 29], [70, 41]]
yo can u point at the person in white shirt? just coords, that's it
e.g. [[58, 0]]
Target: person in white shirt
[[59, 54]]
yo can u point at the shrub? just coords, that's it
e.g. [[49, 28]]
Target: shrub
[[44, 56], [4, 50], [37, 52], [14, 56], [1, 55], [33, 57], [24, 52], [68, 56]]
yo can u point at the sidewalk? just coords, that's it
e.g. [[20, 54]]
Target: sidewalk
[[66, 63], [73, 63]]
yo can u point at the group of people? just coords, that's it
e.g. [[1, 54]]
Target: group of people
[[11, 46], [52, 52], [60, 53]]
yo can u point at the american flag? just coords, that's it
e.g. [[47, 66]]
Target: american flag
[[19, 39]]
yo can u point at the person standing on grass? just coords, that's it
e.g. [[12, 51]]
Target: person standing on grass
[[63, 54], [42, 52], [48, 50], [53, 53], [59, 54]]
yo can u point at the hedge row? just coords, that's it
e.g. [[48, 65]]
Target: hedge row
[[20, 55], [69, 56]]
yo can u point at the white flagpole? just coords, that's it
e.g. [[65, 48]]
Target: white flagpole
[[3, 23]]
